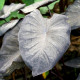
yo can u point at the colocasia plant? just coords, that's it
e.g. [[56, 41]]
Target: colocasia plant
[[43, 41], [39, 42]]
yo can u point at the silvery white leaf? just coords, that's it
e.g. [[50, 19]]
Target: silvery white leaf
[[43, 41], [75, 7], [12, 7], [35, 5], [5, 15], [73, 63], [19, 59], [5, 27], [78, 77], [73, 12], [10, 50], [7, 9]]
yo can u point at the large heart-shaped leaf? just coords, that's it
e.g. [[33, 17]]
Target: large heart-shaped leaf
[[43, 41]]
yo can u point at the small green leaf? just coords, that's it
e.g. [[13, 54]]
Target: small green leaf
[[17, 15], [28, 2], [12, 15], [51, 6], [44, 10], [37, 0], [2, 4], [45, 74]]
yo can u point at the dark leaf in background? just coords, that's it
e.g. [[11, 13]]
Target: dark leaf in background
[[73, 63]]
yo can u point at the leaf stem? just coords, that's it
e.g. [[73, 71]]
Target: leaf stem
[[49, 11]]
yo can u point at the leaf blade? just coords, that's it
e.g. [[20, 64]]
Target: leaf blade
[[2, 4]]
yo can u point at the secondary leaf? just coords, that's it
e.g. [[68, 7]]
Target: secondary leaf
[[73, 63], [7, 26], [73, 13], [9, 51]]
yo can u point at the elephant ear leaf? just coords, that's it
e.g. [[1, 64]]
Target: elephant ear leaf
[[2, 4], [9, 51], [73, 13], [43, 41], [7, 9], [5, 27]]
